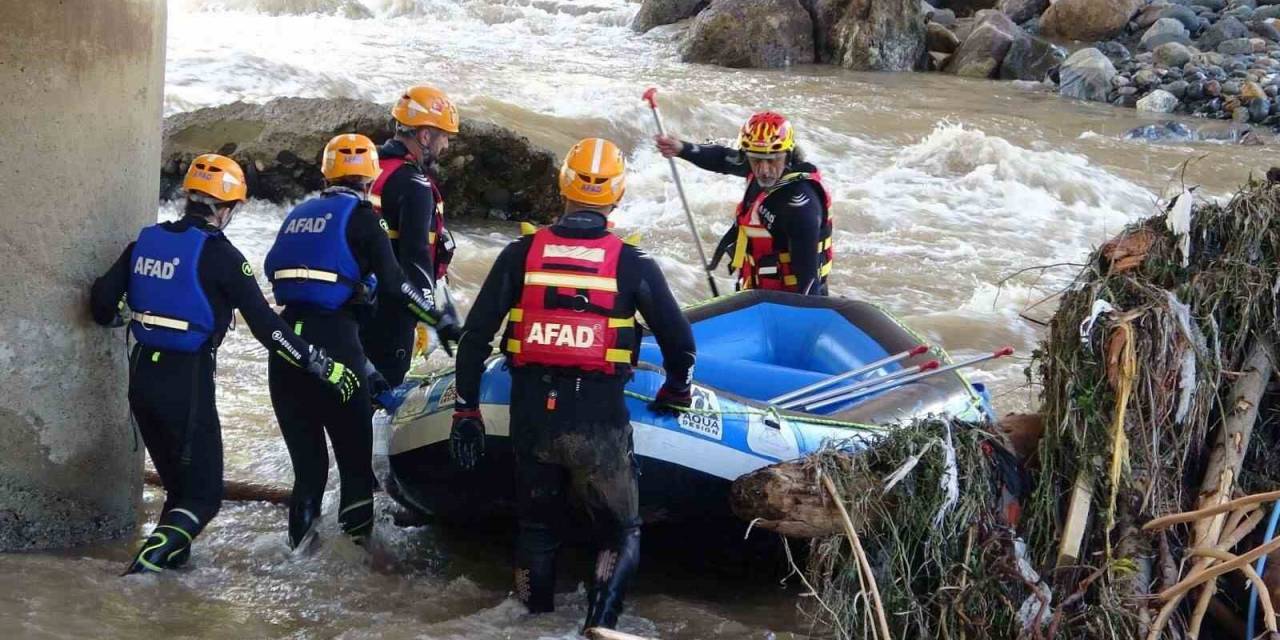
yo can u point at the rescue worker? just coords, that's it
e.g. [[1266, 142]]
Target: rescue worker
[[570, 293], [319, 268], [781, 236], [181, 281], [413, 209]]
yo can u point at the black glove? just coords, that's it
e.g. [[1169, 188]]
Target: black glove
[[728, 243], [671, 401], [466, 438], [344, 380], [378, 385], [448, 332]]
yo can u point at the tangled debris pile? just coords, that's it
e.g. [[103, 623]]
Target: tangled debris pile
[[1154, 429]]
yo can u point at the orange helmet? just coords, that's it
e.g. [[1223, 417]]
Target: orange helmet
[[593, 173], [216, 176], [767, 132], [425, 106], [350, 155]]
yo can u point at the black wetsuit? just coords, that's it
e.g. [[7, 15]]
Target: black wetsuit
[[306, 411], [793, 213], [409, 209], [585, 441], [171, 393]]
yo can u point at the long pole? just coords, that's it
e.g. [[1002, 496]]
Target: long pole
[[901, 381], [650, 96], [873, 382], [888, 360]]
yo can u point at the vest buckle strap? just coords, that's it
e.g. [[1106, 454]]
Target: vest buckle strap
[[149, 320], [303, 273]]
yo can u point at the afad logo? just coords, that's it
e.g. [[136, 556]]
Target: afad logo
[[308, 225], [562, 335], [152, 268]]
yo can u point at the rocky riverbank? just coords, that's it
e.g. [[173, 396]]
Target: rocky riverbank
[[488, 172], [1211, 58]]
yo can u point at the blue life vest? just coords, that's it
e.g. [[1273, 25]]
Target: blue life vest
[[311, 263], [170, 308]]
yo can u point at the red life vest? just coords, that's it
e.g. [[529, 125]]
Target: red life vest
[[567, 315], [761, 264], [439, 241]]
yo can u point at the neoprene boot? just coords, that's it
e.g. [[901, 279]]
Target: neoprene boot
[[535, 571], [167, 547], [304, 518], [613, 571]]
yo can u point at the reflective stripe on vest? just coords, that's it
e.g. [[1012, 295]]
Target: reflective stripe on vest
[[566, 315], [439, 242], [170, 309], [311, 262], [759, 263]]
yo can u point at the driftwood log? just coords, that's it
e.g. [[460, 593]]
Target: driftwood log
[[788, 497], [239, 491]]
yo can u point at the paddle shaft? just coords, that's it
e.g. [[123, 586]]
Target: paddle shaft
[[863, 384], [858, 393], [675, 175], [888, 360]]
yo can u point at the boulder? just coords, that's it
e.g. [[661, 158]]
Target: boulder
[[1154, 11], [752, 34], [1031, 58], [1212, 5], [1021, 11], [1172, 54], [1086, 75], [1165, 30], [1235, 47], [1158, 101], [1088, 20], [944, 17], [1228, 28], [939, 38], [1265, 30], [487, 169], [1264, 13], [1182, 14], [870, 35], [1114, 50], [655, 13], [981, 54]]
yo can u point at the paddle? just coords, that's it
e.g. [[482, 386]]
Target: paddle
[[858, 393], [874, 382], [909, 353], [650, 96]]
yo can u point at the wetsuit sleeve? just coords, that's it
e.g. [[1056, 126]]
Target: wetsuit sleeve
[[498, 295], [670, 327], [800, 215], [417, 218], [714, 157], [371, 242], [108, 291], [234, 277]]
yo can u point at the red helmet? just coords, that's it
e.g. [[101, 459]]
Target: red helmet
[[767, 132]]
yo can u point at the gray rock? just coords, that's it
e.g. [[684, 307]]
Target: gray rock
[[1235, 47], [1265, 30], [1021, 11], [655, 13], [1182, 14], [1161, 132], [1146, 78], [1225, 29], [279, 144], [1215, 5], [1195, 91], [1031, 58], [756, 34], [1119, 80], [1271, 11], [1172, 54], [1259, 109], [1178, 88], [981, 54], [1086, 75], [1232, 87], [1114, 50], [1213, 88], [940, 38], [1127, 91], [1239, 13], [1087, 20], [1252, 4], [1165, 30], [1152, 12], [1158, 101], [968, 7], [1240, 114], [944, 17], [870, 35]]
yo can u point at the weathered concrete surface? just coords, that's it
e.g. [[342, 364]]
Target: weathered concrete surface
[[83, 86]]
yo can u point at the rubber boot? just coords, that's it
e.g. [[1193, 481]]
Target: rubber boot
[[356, 521], [167, 547], [535, 570], [304, 518], [613, 571]]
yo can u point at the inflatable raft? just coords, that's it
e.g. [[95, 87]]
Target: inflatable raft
[[752, 346]]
